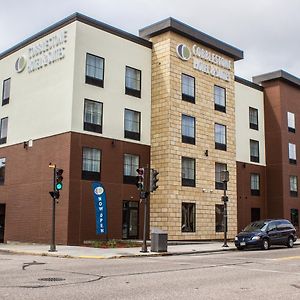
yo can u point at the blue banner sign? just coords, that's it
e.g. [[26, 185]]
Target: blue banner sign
[[100, 208]]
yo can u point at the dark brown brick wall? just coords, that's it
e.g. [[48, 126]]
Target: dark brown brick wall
[[245, 200]]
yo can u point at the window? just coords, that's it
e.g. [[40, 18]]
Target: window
[[253, 118], [219, 184], [188, 217], [6, 91], [2, 170], [133, 82], [255, 214], [131, 163], [291, 122], [254, 151], [254, 184], [295, 217], [188, 129], [188, 172], [93, 116], [132, 124], [220, 137], [91, 163], [94, 72], [292, 154], [219, 217], [188, 88], [3, 130], [293, 186], [220, 98]]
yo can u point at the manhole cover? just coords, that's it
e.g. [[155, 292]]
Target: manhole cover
[[51, 279]]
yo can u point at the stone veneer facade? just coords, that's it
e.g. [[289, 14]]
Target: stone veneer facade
[[167, 148]]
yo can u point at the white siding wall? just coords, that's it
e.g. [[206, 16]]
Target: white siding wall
[[40, 101], [118, 53], [246, 97]]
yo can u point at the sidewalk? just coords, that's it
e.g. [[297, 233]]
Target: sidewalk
[[98, 253]]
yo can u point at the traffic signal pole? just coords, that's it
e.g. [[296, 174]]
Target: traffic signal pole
[[53, 245]]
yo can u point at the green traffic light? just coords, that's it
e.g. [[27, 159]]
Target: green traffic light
[[59, 186]]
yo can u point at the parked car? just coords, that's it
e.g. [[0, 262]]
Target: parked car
[[265, 233]]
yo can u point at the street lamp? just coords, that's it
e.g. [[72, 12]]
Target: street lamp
[[225, 179]]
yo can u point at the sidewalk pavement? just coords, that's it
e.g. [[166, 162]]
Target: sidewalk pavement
[[98, 253]]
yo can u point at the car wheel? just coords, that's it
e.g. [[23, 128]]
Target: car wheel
[[265, 244], [290, 242]]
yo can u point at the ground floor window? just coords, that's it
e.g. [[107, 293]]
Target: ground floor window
[[219, 219], [188, 221], [130, 220], [294, 217], [255, 214]]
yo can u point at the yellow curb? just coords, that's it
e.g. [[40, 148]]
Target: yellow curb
[[287, 258], [91, 256]]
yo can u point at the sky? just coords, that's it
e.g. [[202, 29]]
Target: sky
[[266, 30]]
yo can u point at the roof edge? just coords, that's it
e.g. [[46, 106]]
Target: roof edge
[[279, 74], [70, 19], [171, 24], [248, 83]]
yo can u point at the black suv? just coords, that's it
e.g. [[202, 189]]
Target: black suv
[[265, 233]]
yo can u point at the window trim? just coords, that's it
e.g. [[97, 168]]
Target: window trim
[[127, 179], [220, 146], [291, 129], [130, 91], [252, 157], [187, 181], [92, 80], [92, 127], [255, 192], [185, 97], [192, 204], [90, 175], [253, 125], [2, 181], [130, 134], [188, 139], [219, 107], [293, 193], [219, 185], [292, 161], [3, 140], [5, 100]]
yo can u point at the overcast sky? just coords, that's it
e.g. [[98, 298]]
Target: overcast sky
[[266, 30]]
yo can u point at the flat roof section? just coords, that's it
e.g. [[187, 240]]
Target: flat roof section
[[248, 83], [174, 25], [81, 18], [280, 74]]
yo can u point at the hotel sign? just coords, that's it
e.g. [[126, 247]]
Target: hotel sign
[[43, 53], [206, 61]]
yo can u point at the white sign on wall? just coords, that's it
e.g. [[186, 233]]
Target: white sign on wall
[[206, 61]]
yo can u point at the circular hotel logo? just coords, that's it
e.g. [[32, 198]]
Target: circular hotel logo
[[20, 64], [99, 190], [183, 52]]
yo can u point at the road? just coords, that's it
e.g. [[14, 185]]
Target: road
[[273, 274]]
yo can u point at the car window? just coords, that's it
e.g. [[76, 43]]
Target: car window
[[272, 226], [255, 226]]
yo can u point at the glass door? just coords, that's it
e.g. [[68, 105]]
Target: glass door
[[130, 220]]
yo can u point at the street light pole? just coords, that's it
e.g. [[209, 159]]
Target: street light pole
[[225, 179]]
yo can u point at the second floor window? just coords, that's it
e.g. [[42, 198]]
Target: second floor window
[[293, 186], [188, 129], [91, 163], [94, 72], [133, 82], [93, 116], [254, 151], [2, 170], [220, 98], [254, 184], [188, 172], [291, 122], [253, 118], [292, 154], [3, 130], [220, 137], [219, 184], [188, 88], [6, 91], [131, 163], [132, 124]]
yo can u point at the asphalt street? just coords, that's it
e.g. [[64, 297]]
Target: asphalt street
[[272, 274]]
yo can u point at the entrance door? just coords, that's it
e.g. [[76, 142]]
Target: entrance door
[[130, 219], [2, 222]]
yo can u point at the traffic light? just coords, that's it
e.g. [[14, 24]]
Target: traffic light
[[58, 179], [140, 179], [225, 199], [153, 180]]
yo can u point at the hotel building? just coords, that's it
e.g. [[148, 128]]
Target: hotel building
[[99, 103]]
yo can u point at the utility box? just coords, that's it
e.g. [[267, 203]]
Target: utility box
[[159, 240]]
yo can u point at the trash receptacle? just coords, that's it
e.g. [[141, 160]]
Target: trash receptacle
[[159, 240]]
